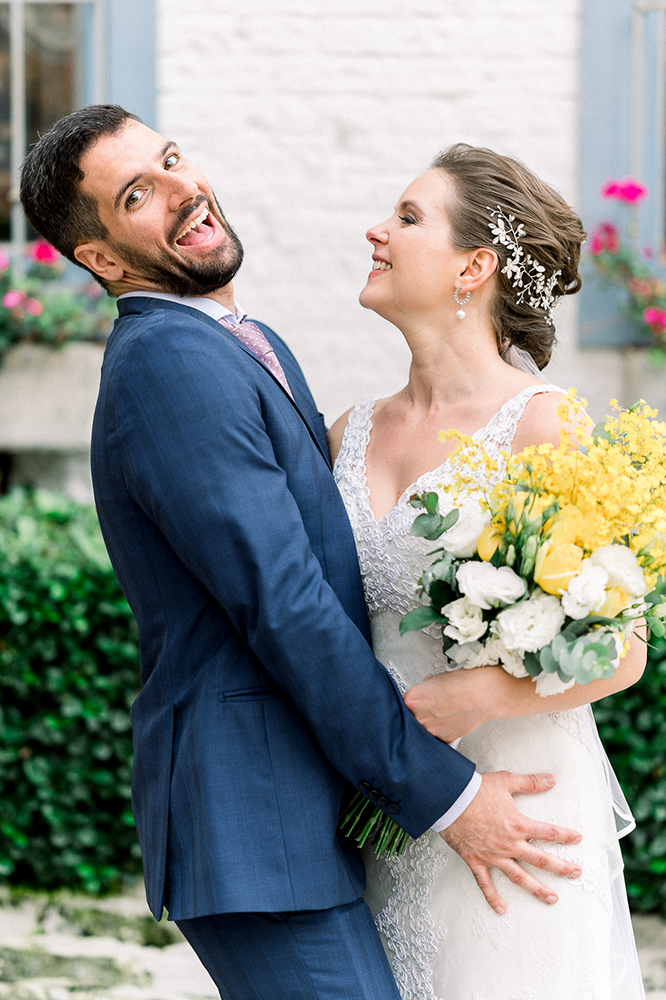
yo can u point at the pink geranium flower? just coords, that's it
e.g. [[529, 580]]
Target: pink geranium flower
[[605, 238], [43, 253], [13, 298], [5, 262], [628, 190], [651, 315], [34, 307]]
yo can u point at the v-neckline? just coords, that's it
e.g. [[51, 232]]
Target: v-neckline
[[431, 472]]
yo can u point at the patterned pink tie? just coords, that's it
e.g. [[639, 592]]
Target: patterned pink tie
[[249, 334]]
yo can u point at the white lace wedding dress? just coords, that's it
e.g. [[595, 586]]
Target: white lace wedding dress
[[443, 940]]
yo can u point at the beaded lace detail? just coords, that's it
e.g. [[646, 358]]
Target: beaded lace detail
[[391, 559]]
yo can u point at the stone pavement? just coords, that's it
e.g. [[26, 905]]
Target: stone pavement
[[66, 947]]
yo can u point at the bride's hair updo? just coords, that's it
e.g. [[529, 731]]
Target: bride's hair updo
[[553, 234]]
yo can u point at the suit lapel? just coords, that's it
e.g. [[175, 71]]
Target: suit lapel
[[294, 376], [295, 388]]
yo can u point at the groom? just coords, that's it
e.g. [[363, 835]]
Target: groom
[[261, 697]]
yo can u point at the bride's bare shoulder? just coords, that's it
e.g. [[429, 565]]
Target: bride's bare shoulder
[[541, 421]]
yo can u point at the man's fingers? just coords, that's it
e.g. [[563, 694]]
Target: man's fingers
[[529, 883], [548, 862], [532, 829], [529, 784], [485, 883]]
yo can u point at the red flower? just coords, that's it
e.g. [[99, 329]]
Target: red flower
[[604, 239], [628, 190], [43, 253], [651, 315]]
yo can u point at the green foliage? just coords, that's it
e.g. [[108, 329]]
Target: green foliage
[[37, 307], [632, 725], [68, 675]]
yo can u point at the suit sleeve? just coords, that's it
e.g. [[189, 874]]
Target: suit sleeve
[[200, 463]]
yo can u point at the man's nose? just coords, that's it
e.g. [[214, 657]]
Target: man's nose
[[182, 190]]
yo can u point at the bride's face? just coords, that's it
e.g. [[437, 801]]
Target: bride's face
[[415, 265]]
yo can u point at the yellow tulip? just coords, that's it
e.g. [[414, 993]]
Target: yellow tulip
[[556, 565], [566, 526], [616, 601], [489, 539]]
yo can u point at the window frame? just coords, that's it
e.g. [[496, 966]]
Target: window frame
[[120, 58], [622, 133]]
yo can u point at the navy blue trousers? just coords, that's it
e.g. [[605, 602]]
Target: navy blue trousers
[[331, 954]]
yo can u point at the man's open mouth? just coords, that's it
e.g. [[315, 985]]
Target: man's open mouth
[[199, 230]]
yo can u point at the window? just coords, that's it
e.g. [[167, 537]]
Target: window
[[55, 57], [623, 133]]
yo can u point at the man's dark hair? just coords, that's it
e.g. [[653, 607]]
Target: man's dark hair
[[51, 178]]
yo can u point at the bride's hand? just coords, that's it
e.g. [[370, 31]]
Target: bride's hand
[[453, 704]]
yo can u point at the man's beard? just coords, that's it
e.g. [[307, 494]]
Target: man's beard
[[179, 276]]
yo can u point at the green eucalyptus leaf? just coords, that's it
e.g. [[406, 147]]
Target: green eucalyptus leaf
[[419, 618]]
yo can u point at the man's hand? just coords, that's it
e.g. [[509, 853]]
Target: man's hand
[[493, 832]]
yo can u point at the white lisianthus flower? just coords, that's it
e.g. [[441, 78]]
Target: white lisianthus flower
[[465, 654], [586, 592], [487, 586], [462, 539], [530, 625], [622, 567], [465, 621], [495, 652], [547, 684]]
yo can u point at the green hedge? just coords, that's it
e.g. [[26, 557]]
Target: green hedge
[[68, 675], [632, 725]]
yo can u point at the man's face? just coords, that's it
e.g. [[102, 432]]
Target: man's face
[[162, 219]]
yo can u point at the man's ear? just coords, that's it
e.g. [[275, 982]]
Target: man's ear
[[98, 258]]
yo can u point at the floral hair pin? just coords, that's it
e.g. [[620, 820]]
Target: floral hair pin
[[525, 273]]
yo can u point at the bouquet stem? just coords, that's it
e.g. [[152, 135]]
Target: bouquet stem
[[361, 819]]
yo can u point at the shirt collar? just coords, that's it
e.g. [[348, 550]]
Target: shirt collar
[[205, 305]]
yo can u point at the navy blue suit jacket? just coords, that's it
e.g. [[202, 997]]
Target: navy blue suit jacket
[[260, 693]]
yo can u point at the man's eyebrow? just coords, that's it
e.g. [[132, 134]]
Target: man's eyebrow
[[169, 145]]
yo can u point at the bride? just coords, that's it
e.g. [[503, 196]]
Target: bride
[[468, 268]]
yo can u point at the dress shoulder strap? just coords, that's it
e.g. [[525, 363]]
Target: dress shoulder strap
[[499, 432], [356, 435]]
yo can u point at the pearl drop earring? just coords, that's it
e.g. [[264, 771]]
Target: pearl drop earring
[[461, 313]]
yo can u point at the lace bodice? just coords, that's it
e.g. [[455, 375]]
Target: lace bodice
[[391, 559]]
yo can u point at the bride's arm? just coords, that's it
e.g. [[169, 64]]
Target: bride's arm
[[453, 704]]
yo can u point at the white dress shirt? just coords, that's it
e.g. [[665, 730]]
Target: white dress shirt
[[217, 312]]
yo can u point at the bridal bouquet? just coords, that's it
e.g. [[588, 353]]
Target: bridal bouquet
[[548, 573]]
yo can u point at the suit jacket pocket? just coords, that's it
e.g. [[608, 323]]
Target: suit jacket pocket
[[263, 693]]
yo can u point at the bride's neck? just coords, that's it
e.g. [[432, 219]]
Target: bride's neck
[[451, 365]]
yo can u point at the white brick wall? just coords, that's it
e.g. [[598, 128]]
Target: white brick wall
[[309, 118]]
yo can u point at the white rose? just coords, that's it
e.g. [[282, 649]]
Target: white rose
[[622, 567], [465, 621], [461, 540], [488, 586], [586, 591], [547, 684], [530, 625]]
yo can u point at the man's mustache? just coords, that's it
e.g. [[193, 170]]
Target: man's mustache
[[188, 211]]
